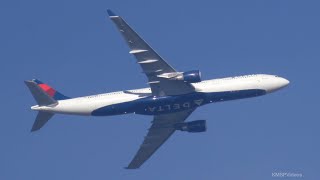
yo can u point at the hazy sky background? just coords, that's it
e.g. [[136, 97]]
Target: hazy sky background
[[72, 46]]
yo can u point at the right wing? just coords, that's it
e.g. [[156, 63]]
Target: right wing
[[160, 130], [152, 64]]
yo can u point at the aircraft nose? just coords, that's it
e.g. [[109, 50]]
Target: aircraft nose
[[283, 82], [275, 83], [279, 83]]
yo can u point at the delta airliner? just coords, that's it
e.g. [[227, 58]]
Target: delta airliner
[[170, 98]]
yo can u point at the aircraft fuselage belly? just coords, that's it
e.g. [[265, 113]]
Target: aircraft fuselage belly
[[170, 104]]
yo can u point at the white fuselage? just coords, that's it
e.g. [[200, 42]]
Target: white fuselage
[[141, 101]]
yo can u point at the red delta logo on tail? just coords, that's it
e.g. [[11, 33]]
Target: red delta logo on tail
[[50, 91]]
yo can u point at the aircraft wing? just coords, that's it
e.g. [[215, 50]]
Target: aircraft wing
[[151, 63], [160, 130]]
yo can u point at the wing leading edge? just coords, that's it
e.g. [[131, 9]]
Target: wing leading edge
[[152, 64], [160, 130]]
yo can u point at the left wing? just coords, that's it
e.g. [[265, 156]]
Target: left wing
[[160, 130], [152, 64]]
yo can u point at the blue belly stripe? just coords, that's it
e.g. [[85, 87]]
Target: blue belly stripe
[[169, 104]]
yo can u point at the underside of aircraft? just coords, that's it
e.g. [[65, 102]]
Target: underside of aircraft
[[170, 98]]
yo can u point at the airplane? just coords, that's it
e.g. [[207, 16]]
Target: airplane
[[170, 98]]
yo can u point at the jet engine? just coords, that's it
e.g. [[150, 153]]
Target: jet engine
[[188, 76], [193, 126], [192, 76]]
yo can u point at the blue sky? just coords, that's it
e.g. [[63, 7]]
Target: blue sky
[[72, 46]]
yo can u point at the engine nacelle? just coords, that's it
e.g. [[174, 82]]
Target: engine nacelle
[[193, 126], [192, 76]]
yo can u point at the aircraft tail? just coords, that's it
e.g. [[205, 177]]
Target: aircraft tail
[[56, 95], [41, 119], [45, 96]]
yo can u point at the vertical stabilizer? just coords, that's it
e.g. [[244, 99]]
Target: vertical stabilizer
[[42, 98], [56, 95]]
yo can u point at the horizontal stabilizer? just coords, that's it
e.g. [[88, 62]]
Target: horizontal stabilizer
[[41, 119]]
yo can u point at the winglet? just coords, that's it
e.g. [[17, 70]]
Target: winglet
[[111, 13]]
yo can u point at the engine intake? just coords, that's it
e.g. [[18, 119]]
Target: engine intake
[[193, 126], [192, 76]]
